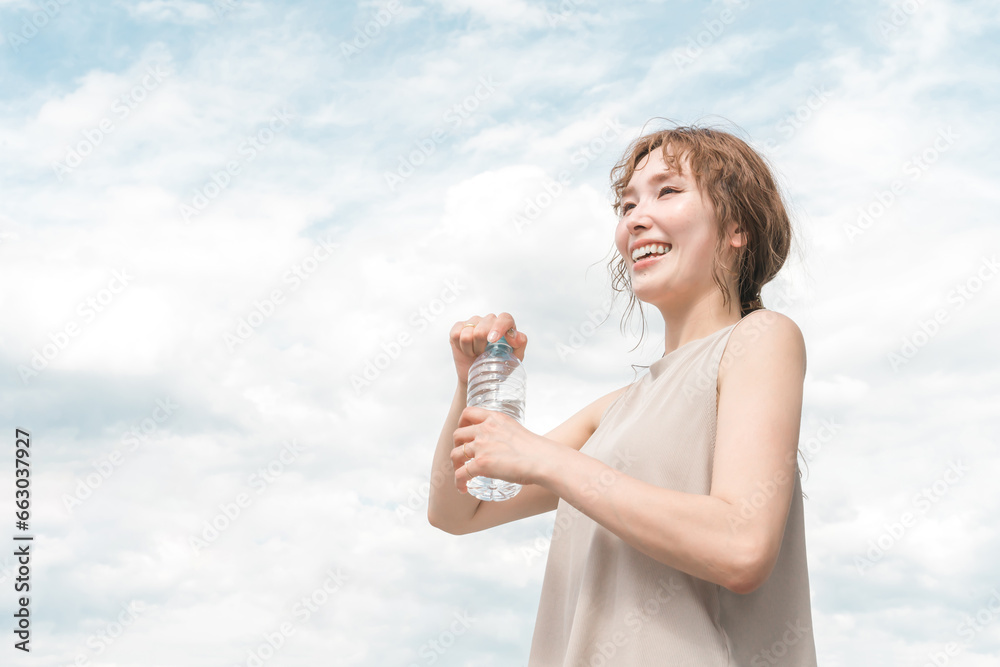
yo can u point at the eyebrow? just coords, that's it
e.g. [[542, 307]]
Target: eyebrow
[[656, 178]]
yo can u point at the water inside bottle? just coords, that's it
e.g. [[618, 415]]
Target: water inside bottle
[[493, 387]]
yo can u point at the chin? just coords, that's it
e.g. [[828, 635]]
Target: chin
[[646, 295], [648, 284]]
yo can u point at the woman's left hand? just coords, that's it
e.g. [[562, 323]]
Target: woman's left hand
[[494, 444]]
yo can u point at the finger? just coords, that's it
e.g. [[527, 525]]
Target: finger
[[482, 332], [463, 476], [519, 344], [464, 434], [473, 339], [503, 326], [464, 454], [462, 451], [506, 327], [464, 336], [457, 458], [458, 327], [472, 414]]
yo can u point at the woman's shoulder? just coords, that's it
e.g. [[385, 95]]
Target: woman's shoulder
[[600, 407], [762, 319], [764, 337]]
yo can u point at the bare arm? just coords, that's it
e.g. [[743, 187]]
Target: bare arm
[[460, 513], [706, 536], [446, 506]]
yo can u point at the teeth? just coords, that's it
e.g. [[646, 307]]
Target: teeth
[[649, 249]]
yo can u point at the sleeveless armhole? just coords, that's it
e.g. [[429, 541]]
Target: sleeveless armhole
[[613, 403]]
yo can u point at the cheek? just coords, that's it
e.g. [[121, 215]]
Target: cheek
[[621, 239]]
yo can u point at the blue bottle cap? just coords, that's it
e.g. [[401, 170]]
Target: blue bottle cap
[[501, 342]]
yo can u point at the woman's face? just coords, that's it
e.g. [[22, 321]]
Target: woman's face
[[660, 205]]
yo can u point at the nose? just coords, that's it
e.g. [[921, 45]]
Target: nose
[[638, 219]]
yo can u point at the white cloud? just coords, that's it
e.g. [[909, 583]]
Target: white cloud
[[449, 230], [176, 11], [515, 12]]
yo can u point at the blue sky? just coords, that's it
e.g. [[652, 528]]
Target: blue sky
[[217, 217]]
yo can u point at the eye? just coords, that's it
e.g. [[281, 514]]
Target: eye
[[665, 189]]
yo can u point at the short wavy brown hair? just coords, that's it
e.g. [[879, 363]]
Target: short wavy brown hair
[[741, 187]]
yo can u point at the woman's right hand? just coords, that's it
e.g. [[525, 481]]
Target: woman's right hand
[[468, 342]]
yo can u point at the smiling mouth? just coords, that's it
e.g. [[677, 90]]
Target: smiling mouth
[[649, 260]]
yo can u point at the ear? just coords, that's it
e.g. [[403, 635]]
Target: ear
[[737, 238]]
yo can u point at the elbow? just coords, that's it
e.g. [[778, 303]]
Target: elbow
[[750, 569], [436, 522], [451, 529], [745, 582]]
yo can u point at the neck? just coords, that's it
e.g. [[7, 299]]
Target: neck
[[686, 322]]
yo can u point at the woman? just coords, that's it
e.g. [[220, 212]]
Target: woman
[[679, 533]]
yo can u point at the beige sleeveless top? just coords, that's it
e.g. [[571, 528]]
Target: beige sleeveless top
[[605, 604]]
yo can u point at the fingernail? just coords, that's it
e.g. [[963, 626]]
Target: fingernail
[[493, 336]]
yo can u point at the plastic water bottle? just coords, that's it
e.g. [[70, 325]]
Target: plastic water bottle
[[497, 381]]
